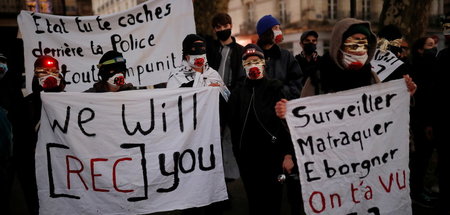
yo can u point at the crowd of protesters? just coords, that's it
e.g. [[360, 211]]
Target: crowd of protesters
[[255, 82]]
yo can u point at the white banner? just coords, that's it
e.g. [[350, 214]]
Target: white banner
[[130, 152], [384, 63], [149, 36], [353, 150]]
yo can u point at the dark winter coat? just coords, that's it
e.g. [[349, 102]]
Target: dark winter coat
[[214, 56], [331, 75], [259, 139], [281, 65], [308, 67]]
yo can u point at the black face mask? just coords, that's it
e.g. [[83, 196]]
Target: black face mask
[[395, 50], [224, 34], [309, 48], [430, 52]]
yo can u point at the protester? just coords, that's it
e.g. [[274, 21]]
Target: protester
[[347, 65], [111, 70], [441, 122], [224, 56], [390, 38], [262, 148], [308, 58], [194, 70], [425, 74], [23, 139], [46, 78], [280, 63]]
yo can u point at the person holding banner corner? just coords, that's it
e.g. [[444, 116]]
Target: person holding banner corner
[[347, 65]]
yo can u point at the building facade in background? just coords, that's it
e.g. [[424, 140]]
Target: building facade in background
[[297, 16], [12, 45], [113, 6]]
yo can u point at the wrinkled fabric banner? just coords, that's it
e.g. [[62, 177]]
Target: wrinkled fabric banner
[[353, 150], [131, 152], [149, 36]]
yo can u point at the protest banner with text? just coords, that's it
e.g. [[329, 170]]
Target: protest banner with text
[[131, 152], [149, 36], [384, 63], [353, 150]]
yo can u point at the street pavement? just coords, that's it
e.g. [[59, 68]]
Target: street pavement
[[237, 203]]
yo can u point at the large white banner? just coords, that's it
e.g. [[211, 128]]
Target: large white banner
[[149, 36], [132, 152], [353, 150]]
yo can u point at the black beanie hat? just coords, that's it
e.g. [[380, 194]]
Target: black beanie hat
[[390, 32], [357, 28], [188, 42], [252, 50], [46, 61], [111, 55], [111, 60]]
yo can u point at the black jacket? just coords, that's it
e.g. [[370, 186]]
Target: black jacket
[[331, 78], [256, 131], [424, 71], [308, 67], [214, 56], [281, 65]]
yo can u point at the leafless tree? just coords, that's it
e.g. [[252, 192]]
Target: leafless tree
[[411, 16], [204, 10]]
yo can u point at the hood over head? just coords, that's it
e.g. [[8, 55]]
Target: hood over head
[[340, 29]]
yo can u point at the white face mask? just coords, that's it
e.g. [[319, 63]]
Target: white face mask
[[117, 80], [197, 61], [254, 71], [353, 62], [49, 81], [278, 35]]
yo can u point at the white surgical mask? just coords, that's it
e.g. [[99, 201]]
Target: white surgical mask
[[254, 71], [117, 80], [278, 35], [353, 62], [197, 61], [49, 81]]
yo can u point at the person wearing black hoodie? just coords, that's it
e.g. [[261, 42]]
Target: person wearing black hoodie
[[441, 123], [424, 70]]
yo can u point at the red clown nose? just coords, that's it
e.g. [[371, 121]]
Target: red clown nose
[[254, 73], [199, 62]]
